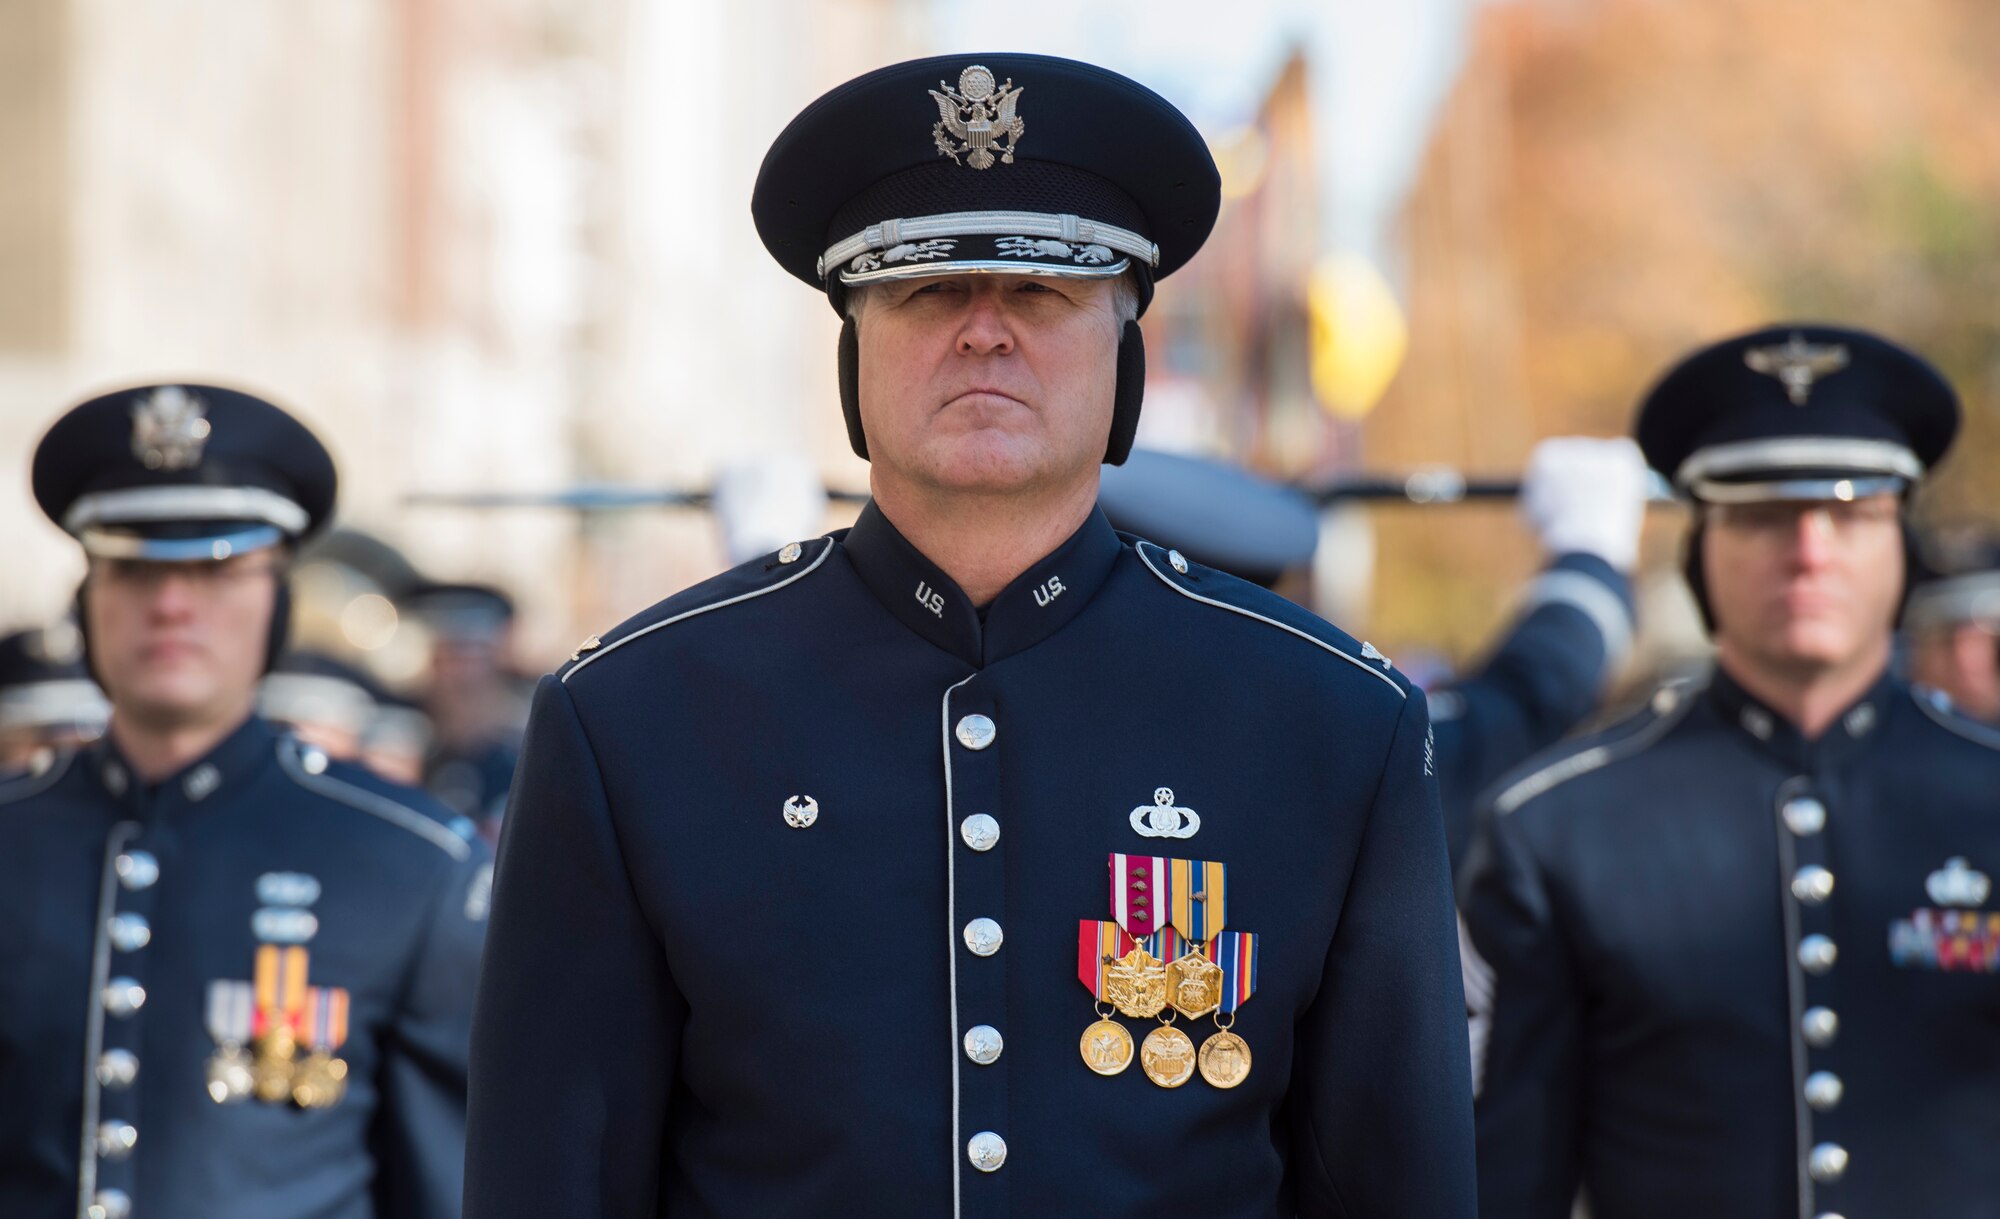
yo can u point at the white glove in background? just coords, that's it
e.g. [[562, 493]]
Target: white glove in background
[[761, 505], [1588, 495]]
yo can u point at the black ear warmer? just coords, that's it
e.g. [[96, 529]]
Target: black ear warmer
[[1126, 399], [1697, 578], [850, 388], [274, 642]]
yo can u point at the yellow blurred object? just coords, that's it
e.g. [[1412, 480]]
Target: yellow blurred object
[[1359, 335]]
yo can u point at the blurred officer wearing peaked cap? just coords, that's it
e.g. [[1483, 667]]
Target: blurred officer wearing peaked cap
[[1743, 947], [975, 860], [48, 702], [1953, 620], [235, 975]]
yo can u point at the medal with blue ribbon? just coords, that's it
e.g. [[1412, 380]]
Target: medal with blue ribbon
[[1225, 1058]]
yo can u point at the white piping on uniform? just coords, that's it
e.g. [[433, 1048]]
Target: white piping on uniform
[[1358, 663], [1476, 974], [615, 644], [1594, 600], [1971, 730], [1562, 770], [380, 806], [93, 1028], [951, 936]]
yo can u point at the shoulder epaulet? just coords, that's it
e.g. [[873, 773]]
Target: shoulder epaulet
[[739, 584], [1938, 706], [306, 765], [1636, 733], [1226, 592], [40, 776]]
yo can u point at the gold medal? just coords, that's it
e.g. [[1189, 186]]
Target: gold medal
[[271, 1073], [320, 1081], [1225, 1059], [1167, 1056], [1136, 984], [1106, 1047], [1194, 985], [230, 1077]]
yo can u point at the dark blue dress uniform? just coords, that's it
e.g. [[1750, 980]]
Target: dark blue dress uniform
[[244, 991], [1542, 679], [1739, 972], [692, 1007], [122, 903]]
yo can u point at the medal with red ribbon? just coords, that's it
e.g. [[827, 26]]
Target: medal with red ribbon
[[1141, 892], [1105, 957]]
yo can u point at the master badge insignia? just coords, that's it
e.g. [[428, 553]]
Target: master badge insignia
[[977, 118], [1797, 364], [1958, 884], [801, 811], [1165, 819], [169, 427]]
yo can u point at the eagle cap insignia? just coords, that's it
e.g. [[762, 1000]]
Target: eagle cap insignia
[[1958, 884], [978, 118], [1797, 364], [169, 427]]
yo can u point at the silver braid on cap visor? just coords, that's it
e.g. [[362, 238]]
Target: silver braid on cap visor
[[194, 502], [1777, 454], [891, 235]]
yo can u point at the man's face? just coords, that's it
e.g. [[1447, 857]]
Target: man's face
[[180, 643], [1804, 586], [988, 383]]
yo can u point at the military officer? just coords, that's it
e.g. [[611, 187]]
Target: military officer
[[1953, 621], [1743, 947], [975, 859], [475, 711], [47, 702], [235, 974]]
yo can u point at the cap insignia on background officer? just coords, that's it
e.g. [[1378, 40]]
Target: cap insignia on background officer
[[1797, 364]]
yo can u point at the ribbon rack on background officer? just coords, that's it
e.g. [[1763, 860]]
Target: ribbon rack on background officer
[[235, 973]]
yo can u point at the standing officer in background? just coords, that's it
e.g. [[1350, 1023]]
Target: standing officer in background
[[1744, 952], [47, 701], [235, 975], [475, 708], [973, 860], [1953, 622]]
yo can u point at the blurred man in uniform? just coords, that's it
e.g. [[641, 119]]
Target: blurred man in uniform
[[1745, 962], [475, 713], [1953, 622], [974, 860], [47, 701], [235, 974]]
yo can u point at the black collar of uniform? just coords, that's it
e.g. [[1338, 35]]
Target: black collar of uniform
[[1851, 732], [234, 757], [1036, 605]]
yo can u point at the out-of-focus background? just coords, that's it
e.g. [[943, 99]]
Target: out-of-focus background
[[505, 245]]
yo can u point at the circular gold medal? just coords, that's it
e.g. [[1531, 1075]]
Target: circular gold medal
[[1167, 1056], [320, 1082], [1225, 1060], [272, 1071], [1106, 1047]]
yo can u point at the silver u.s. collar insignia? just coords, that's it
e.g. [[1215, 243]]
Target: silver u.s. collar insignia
[[1797, 364], [978, 118], [1958, 884], [169, 427], [1165, 819], [801, 811]]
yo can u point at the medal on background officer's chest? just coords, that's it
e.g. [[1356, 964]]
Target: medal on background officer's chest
[[275, 1036], [1166, 956]]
